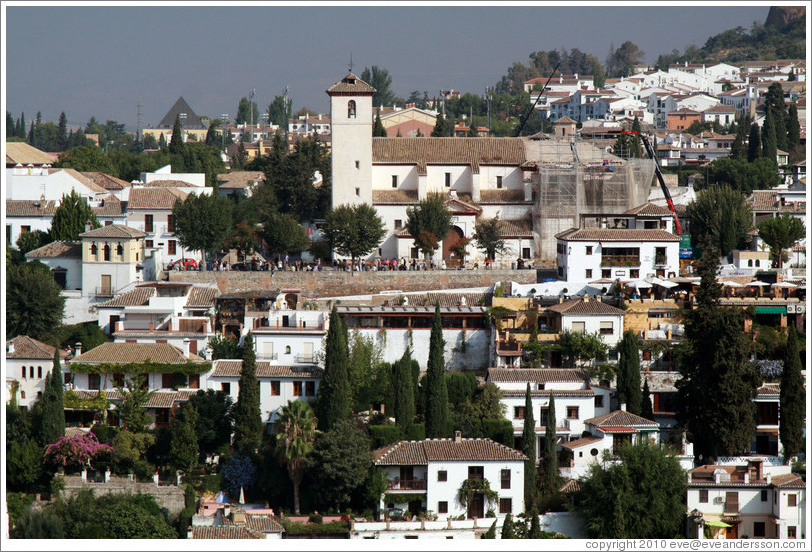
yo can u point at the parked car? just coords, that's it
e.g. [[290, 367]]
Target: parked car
[[183, 264], [394, 514]]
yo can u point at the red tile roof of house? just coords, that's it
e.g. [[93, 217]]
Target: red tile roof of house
[[30, 208], [29, 348], [438, 450], [580, 306], [137, 352], [53, 250], [113, 231], [582, 442], [351, 85], [426, 151], [106, 181], [154, 198], [621, 418], [537, 375], [222, 532], [231, 368], [616, 234]]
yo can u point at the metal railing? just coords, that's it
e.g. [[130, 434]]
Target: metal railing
[[407, 484]]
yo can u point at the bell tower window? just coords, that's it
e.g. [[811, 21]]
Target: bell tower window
[[351, 109]]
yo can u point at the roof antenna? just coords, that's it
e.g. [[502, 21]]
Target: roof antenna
[[351, 64]]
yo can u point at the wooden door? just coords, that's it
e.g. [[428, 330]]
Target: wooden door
[[106, 284]]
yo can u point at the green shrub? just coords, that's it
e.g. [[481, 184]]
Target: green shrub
[[500, 430], [18, 504], [212, 483], [383, 435], [415, 432], [143, 470], [104, 433]]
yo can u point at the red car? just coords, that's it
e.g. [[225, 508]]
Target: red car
[[183, 264]]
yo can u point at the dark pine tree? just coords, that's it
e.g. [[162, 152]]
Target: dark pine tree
[[793, 130], [437, 392], [791, 399], [529, 450], [377, 126], [333, 403], [754, 143], [769, 143], [21, 126], [247, 415], [548, 463], [646, 409], [62, 137], [176, 144], [628, 373], [52, 426], [739, 148], [404, 392]]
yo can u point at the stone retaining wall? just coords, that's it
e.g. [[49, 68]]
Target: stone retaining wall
[[170, 497], [329, 283]]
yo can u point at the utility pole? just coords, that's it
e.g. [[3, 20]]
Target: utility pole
[[488, 101], [251, 110], [287, 115], [138, 137]]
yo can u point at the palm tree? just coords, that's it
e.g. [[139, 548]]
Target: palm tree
[[296, 434]]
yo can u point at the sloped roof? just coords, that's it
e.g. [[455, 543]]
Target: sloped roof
[[155, 197], [394, 197], [137, 297], [426, 151], [620, 418], [351, 86], [788, 480], [81, 178], [239, 179], [192, 121], [502, 196], [110, 207], [30, 208], [445, 299], [29, 348], [616, 234], [25, 154], [168, 183], [231, 368], [53, 250], [582, 442], [202, 297], [648, 209], [438, 450], [124, 353], [106, 181], [224, 532], [580, 306], [114, 231], [536, 375]]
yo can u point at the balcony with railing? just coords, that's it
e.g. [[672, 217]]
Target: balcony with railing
[[305, 359], [406, 484], [620, 260]]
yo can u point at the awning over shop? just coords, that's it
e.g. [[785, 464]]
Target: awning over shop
[[717, 524], [771, 310]]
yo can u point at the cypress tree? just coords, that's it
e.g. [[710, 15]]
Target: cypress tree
[[646, 410], [377, 126], [247, 416], [793, 130], [62, 137], [437, 392], [529, 450], [21, 129], [754, 144], [535, 528], [791, 399], [769, 143], [777, 110], [739, 148], [53, 408], [184, 450], [30, 138], [404, 392], [548, 463], [508, 531], [334, 393], [490, 533], [9, 125], [628, 372], [176, 143]]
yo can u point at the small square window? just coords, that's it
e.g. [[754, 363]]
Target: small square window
[[589, 273], [606, 273], [572, 412], [759, 529], [792, 532], [505, 506], [589, 250], [518, 412], [394, 181], [703, 496], [297, 389], [398, 224], [792, 500], [442, 475], [598, 401], [634, 273], [442, 507], [505, 479], [357, 164], [310, 389]]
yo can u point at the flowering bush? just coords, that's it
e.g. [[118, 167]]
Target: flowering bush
[[78, 450], [770, 370], [239, 471]]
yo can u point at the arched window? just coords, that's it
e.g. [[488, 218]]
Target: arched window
[[24, 373], [107, 252], [93, 249], [287, 350], [351, 109], [120, 250], [22, 394]]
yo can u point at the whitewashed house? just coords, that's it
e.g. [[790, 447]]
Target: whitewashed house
[[150, 211], [28, 363], [427, 475]]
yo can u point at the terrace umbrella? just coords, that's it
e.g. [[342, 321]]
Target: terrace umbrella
[[729, 283], [759, 284], [784, 284]]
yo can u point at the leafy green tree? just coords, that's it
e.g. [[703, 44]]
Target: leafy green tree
[[379, 79], [71, 217], [243, 239], [176, 143], [131, 410], [202, 222], [245, 111], [34, 524], [341, 461], [621, 62], [278, 111], [529, 450], [404, 391], [488, 237], [646, 410], [214, 421], [630, 146], [428, 222], [437, 393], [52, 425], [508, 530], [647, 486], [224, 347], [754, 143], [129, 447], [743, 175], [34, 305], [578, 348], [364, 356], [284, 234], [781, 233], [247, 416], [718, 383], [184, 451], [353, 230], [28, 241], [377, 126], [490, 533], [296, 434], [549, 479], [333, 403], [722, 215], [628, 372], [791, 399], [24, 458], [442, 127]]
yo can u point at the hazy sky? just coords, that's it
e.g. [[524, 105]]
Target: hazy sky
[[103, 60]]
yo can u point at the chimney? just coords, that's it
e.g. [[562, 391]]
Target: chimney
[[88, 227], [768, 477], [623, 406], [186, 343], [586, 298], [598, 298], [77, 349], [458, 436], [10, 347]]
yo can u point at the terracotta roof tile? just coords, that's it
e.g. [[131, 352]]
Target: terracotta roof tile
[[81, 178], [263, 523], [154, 198], [582, 442], [224, 532], [113, 231], [788, 480], [168, 183], [231, 368], [648, 209], [239, 179], [29, 348], [137, 352], [501, 196], [769, 389], [25, 154], [394, 197], [536, 375], [445, 299], [202, 297], [137, 297], [581, 307], [65, 249], [30, 208], [620, 418], [425, 151], [110, 207], [548, 392], [106, 181], [571, 486], [164, 399], [767, 200], [438, 450], [616, 234]]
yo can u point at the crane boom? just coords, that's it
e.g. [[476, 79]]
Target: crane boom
[[659, 173], [526, 116]]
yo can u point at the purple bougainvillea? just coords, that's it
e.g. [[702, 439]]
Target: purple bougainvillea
[[770, 370], [77, 450]]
